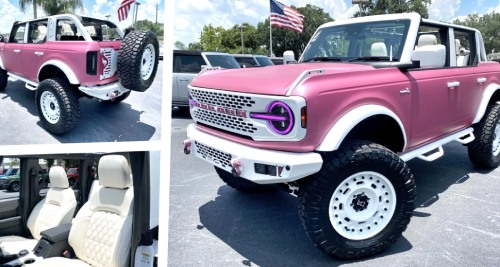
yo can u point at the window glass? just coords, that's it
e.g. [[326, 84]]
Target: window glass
[[464, 44], [223, 61], [9, 178], [245, 61], [188, 63], [38, 32], [264, 61], [17, 35]]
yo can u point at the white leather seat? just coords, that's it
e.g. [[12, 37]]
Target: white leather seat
[[427, 39], [378, 50], [102, 228], [462, 54], [58, 207]]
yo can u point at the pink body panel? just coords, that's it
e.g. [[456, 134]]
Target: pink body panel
[[430, 111]]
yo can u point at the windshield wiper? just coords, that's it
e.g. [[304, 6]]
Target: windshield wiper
[[372, 58], [322, 59]]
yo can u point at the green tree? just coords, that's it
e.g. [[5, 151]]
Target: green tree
[[147, 25], [211, 38], [284, 39], [231, 39], [180, 45], [23, 4], [378, 7], [488, 25], [54, 7], [195, 46]]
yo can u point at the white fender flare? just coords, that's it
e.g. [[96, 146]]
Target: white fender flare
[[64, 68], [343, 126], [488, 93]]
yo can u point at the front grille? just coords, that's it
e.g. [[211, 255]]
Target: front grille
[[222, 99], [218, 119], [217, 157]]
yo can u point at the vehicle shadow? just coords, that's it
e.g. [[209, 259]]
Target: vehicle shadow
[[265, 228], [99, 121], [181, 113]]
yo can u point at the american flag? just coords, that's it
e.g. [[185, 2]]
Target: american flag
[[286, 17], [123, 9]]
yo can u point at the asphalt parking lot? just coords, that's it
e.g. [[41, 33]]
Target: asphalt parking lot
[[456, 222], [135, 119]]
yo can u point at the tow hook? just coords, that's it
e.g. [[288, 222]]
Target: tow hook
[[236, 164], [112, 95], [187, 146]]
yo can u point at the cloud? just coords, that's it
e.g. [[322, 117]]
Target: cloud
[[443, 10]]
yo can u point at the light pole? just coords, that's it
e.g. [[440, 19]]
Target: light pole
[[107, 17], [241, 31], [135, 17]]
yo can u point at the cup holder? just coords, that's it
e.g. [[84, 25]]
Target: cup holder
[[29, 261]]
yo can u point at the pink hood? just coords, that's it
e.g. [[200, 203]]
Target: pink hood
[[273, 80]]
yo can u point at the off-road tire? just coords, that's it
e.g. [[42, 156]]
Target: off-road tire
[[3, 79], [135, 48], [240, 184], [14, 187], [118, 99], [315, 198], [67, 100], [483, 149]]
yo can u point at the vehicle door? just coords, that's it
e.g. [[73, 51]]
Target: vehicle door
[[435, 98], [186, 67], [10, 209], [35, 49], [13, 50]]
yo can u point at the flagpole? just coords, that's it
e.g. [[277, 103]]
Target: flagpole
[[270, 38]]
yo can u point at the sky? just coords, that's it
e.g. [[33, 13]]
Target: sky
[[191, 16], [92, 8]]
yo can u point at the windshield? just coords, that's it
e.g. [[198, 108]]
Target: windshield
[[383, 40], [11, 172], [223, 61], [264, 61]]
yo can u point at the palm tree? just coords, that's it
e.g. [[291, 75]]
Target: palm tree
[[52, 7]]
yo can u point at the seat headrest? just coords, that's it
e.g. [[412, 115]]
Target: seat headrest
[[379, 49], [114, 172], [457, 46], [427, 39], [58, 178]]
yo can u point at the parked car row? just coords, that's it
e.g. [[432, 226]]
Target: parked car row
[[10, 180], [188, 63]]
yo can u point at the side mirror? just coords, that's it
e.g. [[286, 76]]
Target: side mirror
[[288, 57], [430, 56]]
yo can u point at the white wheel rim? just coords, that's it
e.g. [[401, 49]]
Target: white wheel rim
[[148, 61], [496, 141], [50, 107], [362, 205]]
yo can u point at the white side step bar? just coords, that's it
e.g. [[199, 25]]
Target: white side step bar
[[29, 84], [434, 150]]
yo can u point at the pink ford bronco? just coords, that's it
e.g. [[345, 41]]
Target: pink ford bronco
[[65, 57], [367, 95]]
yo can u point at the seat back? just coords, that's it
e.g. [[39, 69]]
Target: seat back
[[102, 229], [58, 206], [379, 49]]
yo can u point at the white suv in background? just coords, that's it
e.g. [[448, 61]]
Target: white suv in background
[[187, 64], [248, 61]]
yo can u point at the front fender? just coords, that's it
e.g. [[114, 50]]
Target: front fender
[[488, 93], [342, 127]]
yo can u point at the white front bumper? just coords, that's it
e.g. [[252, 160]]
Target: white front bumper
[[219, 152], [104, 92]]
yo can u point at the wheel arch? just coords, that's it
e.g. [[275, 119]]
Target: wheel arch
[[54, 66], [385, 129], [491, 95]]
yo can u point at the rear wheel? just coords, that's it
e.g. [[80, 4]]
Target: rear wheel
[[484, 151], [138, 60], [359, 203], [3, 79], [14, 187], [238, 183], [57, 105]]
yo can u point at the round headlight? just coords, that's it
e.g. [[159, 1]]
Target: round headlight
[[284, 124]]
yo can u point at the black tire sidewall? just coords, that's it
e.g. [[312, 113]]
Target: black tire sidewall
[[129, 61], [69, 111], [3, 79], [12, 185], [481, 149], [319, 193]]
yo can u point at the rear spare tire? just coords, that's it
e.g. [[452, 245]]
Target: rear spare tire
[[138, 60], [57, 105]]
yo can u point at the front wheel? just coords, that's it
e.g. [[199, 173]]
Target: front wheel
[[14, 187], [57, 105], [484, 151], [359, 203]]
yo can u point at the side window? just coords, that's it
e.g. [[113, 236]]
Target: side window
[[247, 61], [434, 35], [188, 63], [70, 166], [17, 35], [464, 45], [38, 32], [9, 179], [66, 30]]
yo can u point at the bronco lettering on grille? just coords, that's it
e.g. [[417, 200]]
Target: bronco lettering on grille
[[223, 110]]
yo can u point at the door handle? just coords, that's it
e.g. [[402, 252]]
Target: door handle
[[452, 85], [481, 80], [183, 80], [39, 53], [17, 51]]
